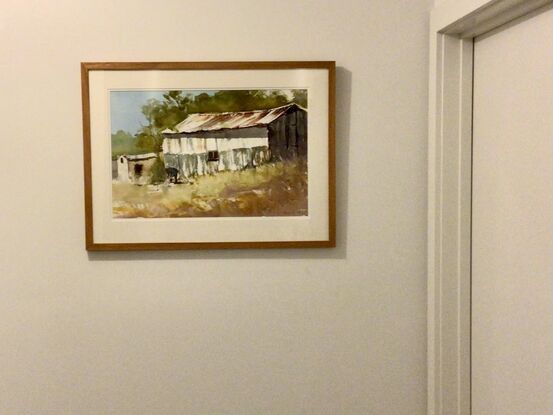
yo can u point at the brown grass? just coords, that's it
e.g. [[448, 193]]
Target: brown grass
[[274, 189]]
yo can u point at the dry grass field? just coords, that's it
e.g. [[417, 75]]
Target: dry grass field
[[274, 189]]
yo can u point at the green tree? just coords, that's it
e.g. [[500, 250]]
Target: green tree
[[175, 107], [300, 97], [160, 116], [240, 100], [158, 172], [123, 142]]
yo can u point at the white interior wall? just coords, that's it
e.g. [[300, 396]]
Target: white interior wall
[[339, 331]]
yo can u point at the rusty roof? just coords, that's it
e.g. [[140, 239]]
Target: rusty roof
[[213, 121]]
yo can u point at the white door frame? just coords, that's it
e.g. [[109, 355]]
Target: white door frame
[[453, 26]]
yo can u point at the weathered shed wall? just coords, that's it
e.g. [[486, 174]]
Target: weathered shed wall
[[288, 135], [206, 152], [123, 169], [140, 171], [181, 166], [136, 170], [198, 145]]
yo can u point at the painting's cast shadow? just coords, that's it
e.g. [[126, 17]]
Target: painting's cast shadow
[[343, 104]]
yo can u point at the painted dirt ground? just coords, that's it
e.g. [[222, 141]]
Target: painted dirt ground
[[273, 189]]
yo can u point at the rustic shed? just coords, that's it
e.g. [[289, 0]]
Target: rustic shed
[[136, 169], [210, 142]]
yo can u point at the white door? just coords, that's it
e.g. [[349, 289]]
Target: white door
[[512, 233]]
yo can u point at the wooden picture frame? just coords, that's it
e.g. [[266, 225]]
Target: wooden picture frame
[[205, 155]]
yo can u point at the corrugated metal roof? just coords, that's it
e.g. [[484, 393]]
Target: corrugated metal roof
[[213, 121]]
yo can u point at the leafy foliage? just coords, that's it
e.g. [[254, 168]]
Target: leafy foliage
[[161, 115], [176, 106], [225, 101], [123, 143], [300, 97], [158, 172]]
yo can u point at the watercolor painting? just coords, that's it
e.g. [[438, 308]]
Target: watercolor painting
[[209, 153]]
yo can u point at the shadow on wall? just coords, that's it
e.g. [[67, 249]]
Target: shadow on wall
[[343, 107]]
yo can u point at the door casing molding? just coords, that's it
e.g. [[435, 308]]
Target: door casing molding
[[453, 26]]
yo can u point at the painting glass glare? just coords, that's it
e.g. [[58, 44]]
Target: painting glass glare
[[208, 153]]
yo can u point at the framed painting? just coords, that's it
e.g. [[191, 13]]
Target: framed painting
[[202, 155]]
